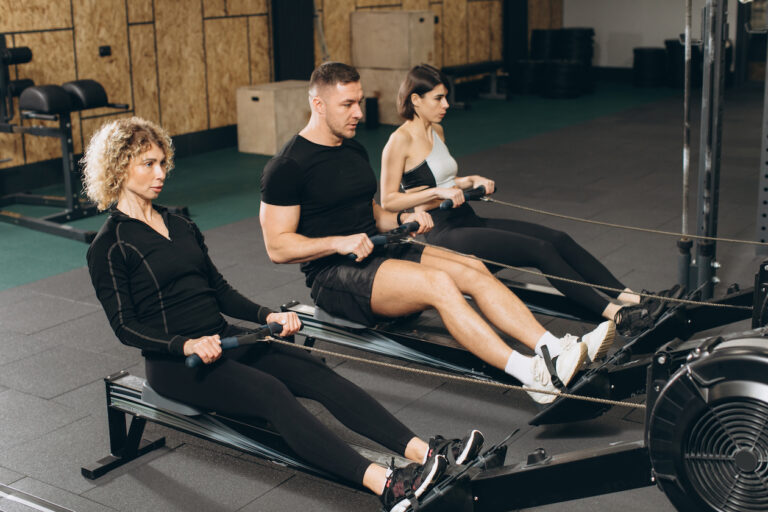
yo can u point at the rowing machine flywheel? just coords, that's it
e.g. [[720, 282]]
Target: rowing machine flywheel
[[707, 433]]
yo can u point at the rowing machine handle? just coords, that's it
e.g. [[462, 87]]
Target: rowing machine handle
[[272, 328], [475, 193], [408, 227], [383, 239]]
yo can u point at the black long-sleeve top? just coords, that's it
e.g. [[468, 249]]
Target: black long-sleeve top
[[159, 292]]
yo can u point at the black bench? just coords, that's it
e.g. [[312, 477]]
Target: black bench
[[491, 67]]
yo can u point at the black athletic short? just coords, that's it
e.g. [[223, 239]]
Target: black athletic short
[[344, 289]]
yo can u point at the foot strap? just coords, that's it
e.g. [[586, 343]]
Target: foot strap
[[550, 364]]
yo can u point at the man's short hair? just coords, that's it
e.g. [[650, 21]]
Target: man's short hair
[[332, 73]]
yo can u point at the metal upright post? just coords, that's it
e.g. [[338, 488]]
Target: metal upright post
[[715, 32], [761, 233], [685, 243]]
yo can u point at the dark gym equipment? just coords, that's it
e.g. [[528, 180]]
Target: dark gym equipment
[[546, 44], [566, 79], [705, 442], [560, 65], [527, 77], [50, 103], [491, 68], [649, 67]]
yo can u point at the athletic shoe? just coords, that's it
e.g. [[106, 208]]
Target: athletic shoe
[[656, 306], [599, 341], [566, 364], [632, 320], [457, 451], [406, 484]]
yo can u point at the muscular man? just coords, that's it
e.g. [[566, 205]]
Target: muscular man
[[318, 207]]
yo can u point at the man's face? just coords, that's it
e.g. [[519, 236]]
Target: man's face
[[342, 108]]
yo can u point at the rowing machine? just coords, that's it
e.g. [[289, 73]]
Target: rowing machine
[[705, 443], [423, 339]]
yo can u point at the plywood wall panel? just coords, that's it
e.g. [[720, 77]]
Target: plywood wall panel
[[336, 28], [53, 62], [91, 125], [478, 29], [415, 5], [226, 45], [107, 26], [497, 30], [27, 15], [439, 44], [454, 32], [395, 4], [144, 66], [214, 8], [140, 11], [181, 64], [261, 49], [556, 14], [241, 7]]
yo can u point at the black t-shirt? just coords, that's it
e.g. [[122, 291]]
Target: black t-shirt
[[334, 185]]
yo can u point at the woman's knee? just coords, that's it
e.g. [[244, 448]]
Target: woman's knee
[[562, 240]]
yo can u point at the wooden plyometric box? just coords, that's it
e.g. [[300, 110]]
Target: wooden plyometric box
[[392, 39], [384, 85], [268, 115]]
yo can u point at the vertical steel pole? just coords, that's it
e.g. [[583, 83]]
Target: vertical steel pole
[[710, 145], [685, 244], [761, 230]]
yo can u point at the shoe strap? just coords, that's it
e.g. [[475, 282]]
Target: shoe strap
[[445, 447], [550, 364]]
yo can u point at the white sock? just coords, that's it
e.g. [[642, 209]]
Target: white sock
[[519, 366], [554, 345]]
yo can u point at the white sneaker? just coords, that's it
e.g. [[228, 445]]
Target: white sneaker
[[600, 340], [567, 364]]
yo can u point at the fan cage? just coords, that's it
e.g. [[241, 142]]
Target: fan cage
[[725, 430]]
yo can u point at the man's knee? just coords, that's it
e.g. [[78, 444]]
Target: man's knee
[[476, 265], [438, 285]]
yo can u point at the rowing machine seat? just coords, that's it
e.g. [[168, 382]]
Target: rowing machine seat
[[86, 94], [151, 396], [45, 99], [328, 318]]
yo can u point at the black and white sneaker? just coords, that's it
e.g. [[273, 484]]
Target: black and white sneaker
[[656, 306], [457, 451], [405, 485], [633, 320]]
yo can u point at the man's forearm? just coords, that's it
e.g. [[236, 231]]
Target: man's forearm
[[295, 248]]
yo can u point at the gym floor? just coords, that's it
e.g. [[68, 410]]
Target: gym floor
[[613, 156]]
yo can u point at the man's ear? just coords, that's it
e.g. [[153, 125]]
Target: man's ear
[[317, 104]]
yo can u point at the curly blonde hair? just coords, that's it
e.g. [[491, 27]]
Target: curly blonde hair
[[109, 154]]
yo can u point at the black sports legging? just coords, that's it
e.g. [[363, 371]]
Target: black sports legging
[[264, 380], [524, 244]]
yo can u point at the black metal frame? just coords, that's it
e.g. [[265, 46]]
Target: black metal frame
[[483, 486], [73, 207]]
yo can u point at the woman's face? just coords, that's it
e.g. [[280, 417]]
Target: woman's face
[[433, 105], [146, 174]]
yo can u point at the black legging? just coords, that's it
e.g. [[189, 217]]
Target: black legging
[[264, 380], [524, 244]]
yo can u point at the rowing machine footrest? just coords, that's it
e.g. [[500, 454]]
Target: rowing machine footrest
[[328, 318], [151, 396]]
